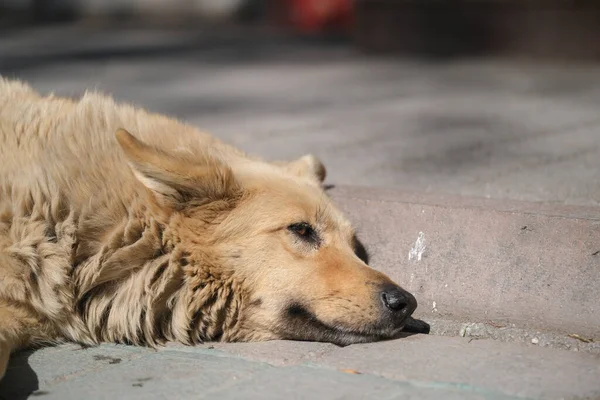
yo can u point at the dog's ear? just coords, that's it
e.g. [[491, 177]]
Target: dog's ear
[[307, 166], [172, 179]]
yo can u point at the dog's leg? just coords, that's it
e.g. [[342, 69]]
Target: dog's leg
[[16, 327]]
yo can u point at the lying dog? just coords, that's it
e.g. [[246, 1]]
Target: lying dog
[[167, 234]]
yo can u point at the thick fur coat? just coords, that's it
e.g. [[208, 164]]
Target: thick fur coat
[[125, 226]]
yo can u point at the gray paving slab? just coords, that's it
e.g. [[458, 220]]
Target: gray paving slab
[[472, 127], [512, 369], [314, 382], [278, 353], [162, 375], [420, 366]]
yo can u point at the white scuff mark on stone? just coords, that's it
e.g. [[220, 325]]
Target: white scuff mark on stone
[[412, 278], [466, 329], [416, 252], [535, 340], [434, 307]]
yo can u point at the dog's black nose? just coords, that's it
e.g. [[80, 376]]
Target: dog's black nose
[[398, 300]]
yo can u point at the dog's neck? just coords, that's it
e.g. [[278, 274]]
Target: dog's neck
[[138, 285]]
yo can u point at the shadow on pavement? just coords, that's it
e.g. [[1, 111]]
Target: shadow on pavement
[[20, 380]]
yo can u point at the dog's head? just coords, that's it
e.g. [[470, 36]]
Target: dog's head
[[270, 231]]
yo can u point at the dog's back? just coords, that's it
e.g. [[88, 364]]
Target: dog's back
[[56, 143], [48, 147]]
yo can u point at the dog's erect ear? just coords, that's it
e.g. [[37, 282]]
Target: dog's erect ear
[[307, 166], [175, 180]]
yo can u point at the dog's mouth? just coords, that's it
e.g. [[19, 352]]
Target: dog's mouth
[[301, 324]]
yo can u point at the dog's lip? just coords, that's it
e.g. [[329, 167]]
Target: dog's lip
[[373, 331], [382, 329]]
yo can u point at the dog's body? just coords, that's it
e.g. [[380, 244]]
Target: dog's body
[[175, 236]]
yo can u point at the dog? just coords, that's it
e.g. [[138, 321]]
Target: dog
[[120, 225]]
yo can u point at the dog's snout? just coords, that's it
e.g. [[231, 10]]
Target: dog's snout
[[398, 300]]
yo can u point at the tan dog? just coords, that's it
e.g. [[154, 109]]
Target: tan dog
[[168, 235]]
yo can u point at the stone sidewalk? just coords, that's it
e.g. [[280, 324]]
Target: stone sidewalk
[[419, 367]]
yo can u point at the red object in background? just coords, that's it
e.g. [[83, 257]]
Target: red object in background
[[312, 16]]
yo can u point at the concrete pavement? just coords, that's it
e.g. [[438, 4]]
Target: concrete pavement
[[419, 367], [477, 260]]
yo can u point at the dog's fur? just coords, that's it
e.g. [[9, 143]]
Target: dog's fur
[[166, 234]]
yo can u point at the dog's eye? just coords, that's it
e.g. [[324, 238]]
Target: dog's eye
[[304, 231]]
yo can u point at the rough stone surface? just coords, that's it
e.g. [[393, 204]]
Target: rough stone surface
[[537, 266], [510, 332], [419, 367], [478, 364], [279, 353]]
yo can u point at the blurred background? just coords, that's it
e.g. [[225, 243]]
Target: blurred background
[[489, 98]]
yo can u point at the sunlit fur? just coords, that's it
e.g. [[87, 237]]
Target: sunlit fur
[[124, 226]]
